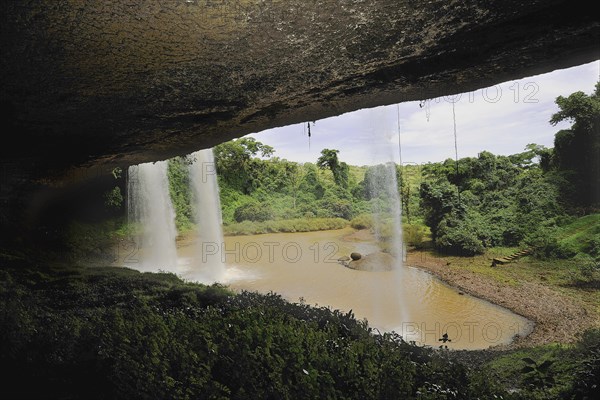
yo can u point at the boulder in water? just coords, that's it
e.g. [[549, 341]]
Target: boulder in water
[[379, 261]]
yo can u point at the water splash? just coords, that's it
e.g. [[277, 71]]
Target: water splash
[[151, 212], [209, 267]]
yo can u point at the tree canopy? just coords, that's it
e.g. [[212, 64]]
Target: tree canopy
[[576, 154]]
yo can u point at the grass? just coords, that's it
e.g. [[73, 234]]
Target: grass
[[582, 225], [577, 233]]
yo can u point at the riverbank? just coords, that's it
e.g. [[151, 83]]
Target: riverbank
[[544, 292], [558, 316]]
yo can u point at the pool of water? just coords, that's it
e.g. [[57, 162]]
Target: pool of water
[[303, 267]]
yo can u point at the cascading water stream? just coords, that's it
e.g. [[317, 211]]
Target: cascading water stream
[[151, 212], [208, 266], [387, 214]]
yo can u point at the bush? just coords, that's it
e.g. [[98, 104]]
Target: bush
[[253, 212], [546, 244], [465, 237], [587, 376], [462, 242], [285, 225], [337, 208], [588, 266], [413, 235], [592, 247], [113, 199], [363, 221]]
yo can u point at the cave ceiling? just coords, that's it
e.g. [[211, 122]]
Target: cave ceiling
[[117, 82]]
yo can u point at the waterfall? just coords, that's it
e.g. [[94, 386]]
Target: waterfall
[[383, 186], [386, 209], [386, 202], [209, 266], [151, 213]]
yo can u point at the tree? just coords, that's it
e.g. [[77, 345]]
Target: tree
[[405, 197], [311, 183], [329, 160], [113, 199], [236, 162], [296, 177], [577, 150], [534, 154], [437, 201]]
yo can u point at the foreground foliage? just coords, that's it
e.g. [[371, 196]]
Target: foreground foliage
[[553, 371], [117, 333]]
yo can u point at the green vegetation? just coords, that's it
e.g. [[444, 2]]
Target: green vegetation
[[575, 157], [180, 191], [526, 199], [329, 160], [120, 334], [286, 225], [261, 193], [552, 371], [492, 202]]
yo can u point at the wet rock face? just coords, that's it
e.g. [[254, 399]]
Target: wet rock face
[[113, 82]]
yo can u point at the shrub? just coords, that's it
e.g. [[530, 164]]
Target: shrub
[[284, 225], [363, 221], [587, 375], [465, 237], [463, 242], [337, 208], [120, 334], [253, 212], [588, 266], [413, 235], [546, 244], [593, 246]]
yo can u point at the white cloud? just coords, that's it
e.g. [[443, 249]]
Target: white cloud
[[501, 119]]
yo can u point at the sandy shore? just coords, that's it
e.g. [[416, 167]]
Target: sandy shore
[[557, 318]]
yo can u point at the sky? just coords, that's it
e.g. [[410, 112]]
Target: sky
[[501, 119]]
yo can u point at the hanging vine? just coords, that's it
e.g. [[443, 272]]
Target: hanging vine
[[427, 105]]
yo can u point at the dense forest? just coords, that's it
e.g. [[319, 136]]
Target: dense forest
[[77, 332]]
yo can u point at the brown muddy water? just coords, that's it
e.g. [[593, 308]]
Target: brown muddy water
[[303, 267]]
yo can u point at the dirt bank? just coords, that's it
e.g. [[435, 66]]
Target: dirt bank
[[557, 317]]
